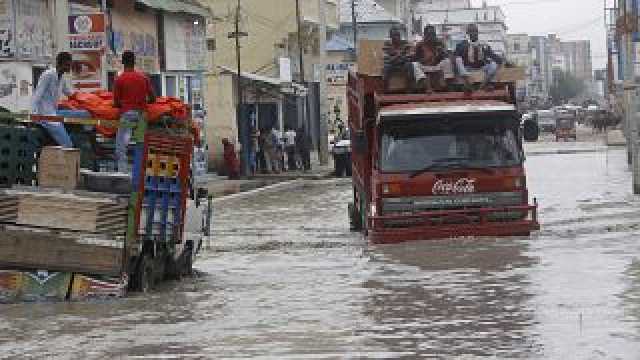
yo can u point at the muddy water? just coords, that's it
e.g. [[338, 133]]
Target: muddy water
[[285, 279]]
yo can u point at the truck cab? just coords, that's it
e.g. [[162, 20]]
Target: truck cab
[[428, 166]]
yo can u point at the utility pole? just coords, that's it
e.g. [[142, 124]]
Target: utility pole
[[630, 93], [243, 127], [323, 142], [354, 25], [305, 102], [300, 50]]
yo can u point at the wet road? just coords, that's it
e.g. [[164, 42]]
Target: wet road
[[285, 279]]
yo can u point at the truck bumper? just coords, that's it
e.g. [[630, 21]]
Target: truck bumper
[[508, 221]]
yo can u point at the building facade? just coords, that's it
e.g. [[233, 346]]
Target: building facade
[[271, 72]]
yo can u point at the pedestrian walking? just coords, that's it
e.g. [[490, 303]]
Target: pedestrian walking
[[303, 148], [132, 92], [279, 150], [253, 152], [290, 139], [231, 163], [51, 86], [270, 144]]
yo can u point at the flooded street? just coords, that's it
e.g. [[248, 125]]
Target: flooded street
[[284, 278]]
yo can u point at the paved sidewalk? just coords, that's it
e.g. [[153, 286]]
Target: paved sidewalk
[[220, 186]]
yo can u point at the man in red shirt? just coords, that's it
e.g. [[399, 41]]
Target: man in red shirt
[[131, 93]]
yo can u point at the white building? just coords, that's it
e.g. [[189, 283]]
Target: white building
[[374, 21], [452, 17]]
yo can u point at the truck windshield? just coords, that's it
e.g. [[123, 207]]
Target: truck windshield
[[408, 146]]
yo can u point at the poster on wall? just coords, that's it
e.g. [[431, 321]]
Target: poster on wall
[[33, 36], [87, 42], [86, 70]]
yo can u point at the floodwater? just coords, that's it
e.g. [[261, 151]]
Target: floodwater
[[285, 279]]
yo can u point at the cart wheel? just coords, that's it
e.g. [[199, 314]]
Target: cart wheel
[[145, 277]]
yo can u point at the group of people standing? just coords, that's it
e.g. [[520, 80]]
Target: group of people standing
[[274, 151], [429, 65], [271, 152]]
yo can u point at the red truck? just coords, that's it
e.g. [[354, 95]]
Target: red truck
[[442, 165]]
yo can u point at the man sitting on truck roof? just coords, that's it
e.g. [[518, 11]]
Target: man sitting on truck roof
[[432, 60], [397, 56], [474, 55]]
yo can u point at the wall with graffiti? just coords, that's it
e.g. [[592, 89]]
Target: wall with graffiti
[[33, 30], [16, 86], [185, 46], [133, 30]]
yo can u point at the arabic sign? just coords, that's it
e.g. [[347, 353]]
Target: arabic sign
[[87, 32], [448, 186]]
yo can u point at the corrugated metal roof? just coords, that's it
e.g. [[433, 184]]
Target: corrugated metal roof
[[177, 6]]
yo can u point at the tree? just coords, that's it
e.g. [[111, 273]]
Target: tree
[[565, 87]]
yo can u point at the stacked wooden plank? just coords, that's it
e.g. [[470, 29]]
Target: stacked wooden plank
[[73, 232], [73, 212]]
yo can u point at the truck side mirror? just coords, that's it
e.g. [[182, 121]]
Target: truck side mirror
[[360, 144], [530, 130]]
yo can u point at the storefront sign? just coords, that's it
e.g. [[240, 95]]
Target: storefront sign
[[337, 74], [87, 32], [87, 41]]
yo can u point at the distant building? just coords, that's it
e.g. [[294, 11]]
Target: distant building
[[519, 53], [540, 72]]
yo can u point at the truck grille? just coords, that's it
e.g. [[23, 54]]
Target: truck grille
[[411, 205]]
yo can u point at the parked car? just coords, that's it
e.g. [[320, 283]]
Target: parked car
[[547, 121]]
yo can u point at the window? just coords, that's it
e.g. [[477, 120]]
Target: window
[[516, 47], [472, 142], [170, 86]]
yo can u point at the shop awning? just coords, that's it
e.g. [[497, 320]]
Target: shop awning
[[284, 87], [177, 6]]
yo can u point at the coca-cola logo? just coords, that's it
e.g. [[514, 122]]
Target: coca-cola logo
[[460, 186]]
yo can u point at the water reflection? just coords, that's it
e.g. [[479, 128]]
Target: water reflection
[[452, 298]]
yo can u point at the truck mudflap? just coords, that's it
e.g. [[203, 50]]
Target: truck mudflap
[[37, 286], [504, 221]]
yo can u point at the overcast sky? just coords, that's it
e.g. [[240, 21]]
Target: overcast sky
[[570, 19]]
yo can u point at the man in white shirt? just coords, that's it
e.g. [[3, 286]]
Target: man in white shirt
[[51, 86], [290, 138]]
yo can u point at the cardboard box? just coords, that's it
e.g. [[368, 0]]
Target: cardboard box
[[59, 167]]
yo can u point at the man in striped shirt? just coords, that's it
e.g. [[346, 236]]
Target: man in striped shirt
[[397, 56]]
